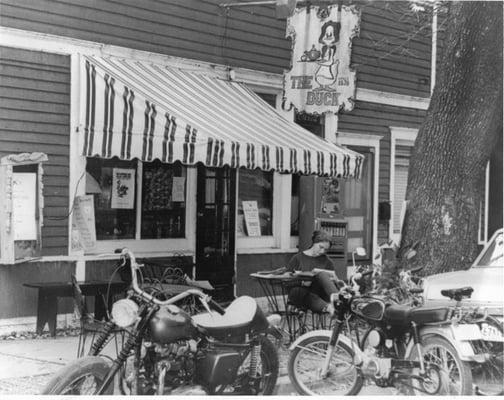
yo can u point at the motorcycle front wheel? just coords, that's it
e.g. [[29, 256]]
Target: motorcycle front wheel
[[305, 366], [83, 376], [488, 377], [455, 374]]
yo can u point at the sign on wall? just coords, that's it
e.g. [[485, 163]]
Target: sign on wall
[[83, 223], [24, 204], [320, 79]]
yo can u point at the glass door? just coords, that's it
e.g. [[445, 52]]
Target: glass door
[[215, 229]]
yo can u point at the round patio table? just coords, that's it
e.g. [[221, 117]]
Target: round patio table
[[276, 287]]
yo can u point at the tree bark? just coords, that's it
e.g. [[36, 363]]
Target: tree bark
[[455, 141]]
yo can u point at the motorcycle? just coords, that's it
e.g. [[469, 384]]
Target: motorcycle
[[168, 351], [418, 350]]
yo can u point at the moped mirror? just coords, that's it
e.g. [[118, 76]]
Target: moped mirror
[[410, 254], [360, 251]]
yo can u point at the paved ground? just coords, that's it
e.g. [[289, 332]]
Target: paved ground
[[26, 365]]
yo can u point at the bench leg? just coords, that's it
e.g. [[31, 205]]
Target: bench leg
[[47, 310]]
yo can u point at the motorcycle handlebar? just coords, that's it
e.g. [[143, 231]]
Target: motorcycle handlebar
[[125, 254]]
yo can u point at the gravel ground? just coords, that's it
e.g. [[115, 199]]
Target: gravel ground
[[27, 385]]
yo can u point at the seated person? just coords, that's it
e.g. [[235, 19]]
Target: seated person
[[317, 296]]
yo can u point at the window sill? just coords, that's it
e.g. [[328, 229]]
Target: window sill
[[265, 251]]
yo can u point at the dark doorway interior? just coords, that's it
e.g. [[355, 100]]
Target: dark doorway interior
[[215, 230]]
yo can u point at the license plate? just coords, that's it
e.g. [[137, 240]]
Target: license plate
[[491, 333], [467, 332]]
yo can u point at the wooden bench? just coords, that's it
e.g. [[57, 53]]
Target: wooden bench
[[49, 292]]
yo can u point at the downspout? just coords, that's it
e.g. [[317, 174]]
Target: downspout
[[434, 46]]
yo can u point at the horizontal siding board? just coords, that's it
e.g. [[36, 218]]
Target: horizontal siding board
[[52, 118], [22, 147], [27, 72], [34, 106], [35, 137], [35, 127], [23, 83], [35, 95]]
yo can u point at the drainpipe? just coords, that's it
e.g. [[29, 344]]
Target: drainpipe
[[434, 46]]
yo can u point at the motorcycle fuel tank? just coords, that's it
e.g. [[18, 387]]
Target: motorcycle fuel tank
[[369, 308], [170, 324]]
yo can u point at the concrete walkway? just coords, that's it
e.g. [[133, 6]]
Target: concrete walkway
[[27, 365]]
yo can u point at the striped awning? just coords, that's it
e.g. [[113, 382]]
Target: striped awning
[[132, 109]]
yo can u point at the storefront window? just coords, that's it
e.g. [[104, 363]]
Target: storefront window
[[255, 203], [114, 185], [163, 201], [112, 182]]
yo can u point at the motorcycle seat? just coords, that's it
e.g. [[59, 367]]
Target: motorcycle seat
[[399, 314], [458, 294], [241, 316]]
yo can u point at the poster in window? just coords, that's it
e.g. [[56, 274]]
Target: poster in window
[[123, 188], [83, 223], [178, 188], [24, 201], [251, 214]]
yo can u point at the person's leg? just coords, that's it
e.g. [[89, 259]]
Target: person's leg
[[323, 286], [303, 297]]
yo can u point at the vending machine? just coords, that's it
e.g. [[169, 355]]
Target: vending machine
[[320, 210]]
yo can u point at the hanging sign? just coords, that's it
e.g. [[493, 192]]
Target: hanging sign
[[320, 79]]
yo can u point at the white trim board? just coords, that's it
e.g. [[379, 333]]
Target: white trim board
[[269, 82], [404, 136]]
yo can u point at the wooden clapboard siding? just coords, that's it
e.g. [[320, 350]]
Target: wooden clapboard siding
[[376, 119], [393, 51], [248, 37], [35, 116]]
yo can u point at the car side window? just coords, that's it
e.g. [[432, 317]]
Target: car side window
[[494, 256]]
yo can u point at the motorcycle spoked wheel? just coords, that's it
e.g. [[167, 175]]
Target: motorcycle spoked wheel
[[488, 377], [305, 363], [267, 373], [455, 374], [83, 376]]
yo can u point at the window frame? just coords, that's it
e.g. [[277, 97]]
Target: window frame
[[404, 137]]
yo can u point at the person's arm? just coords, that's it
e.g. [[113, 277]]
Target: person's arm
[[293, 264]]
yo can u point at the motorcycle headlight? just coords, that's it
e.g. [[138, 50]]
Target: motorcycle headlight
[[124, 312]]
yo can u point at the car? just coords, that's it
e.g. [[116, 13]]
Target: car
[[485, 276]]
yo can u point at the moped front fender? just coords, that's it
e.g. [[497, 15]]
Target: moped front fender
[[327, 333], [462, 347]]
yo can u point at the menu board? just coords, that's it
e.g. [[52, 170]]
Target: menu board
[[83, 223], [251, 214], [24, 201]]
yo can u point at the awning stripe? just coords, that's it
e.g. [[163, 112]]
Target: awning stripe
[[223, 122]]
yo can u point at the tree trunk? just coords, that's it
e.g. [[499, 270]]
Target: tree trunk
[[462, 126]]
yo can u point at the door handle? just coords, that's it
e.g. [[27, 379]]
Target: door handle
[[200, 214]]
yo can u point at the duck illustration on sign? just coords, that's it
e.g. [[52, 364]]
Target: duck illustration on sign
[[320, 79]]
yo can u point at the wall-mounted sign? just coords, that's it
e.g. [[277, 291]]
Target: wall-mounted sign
[[320, 79], [24, 203], [83, 223]]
